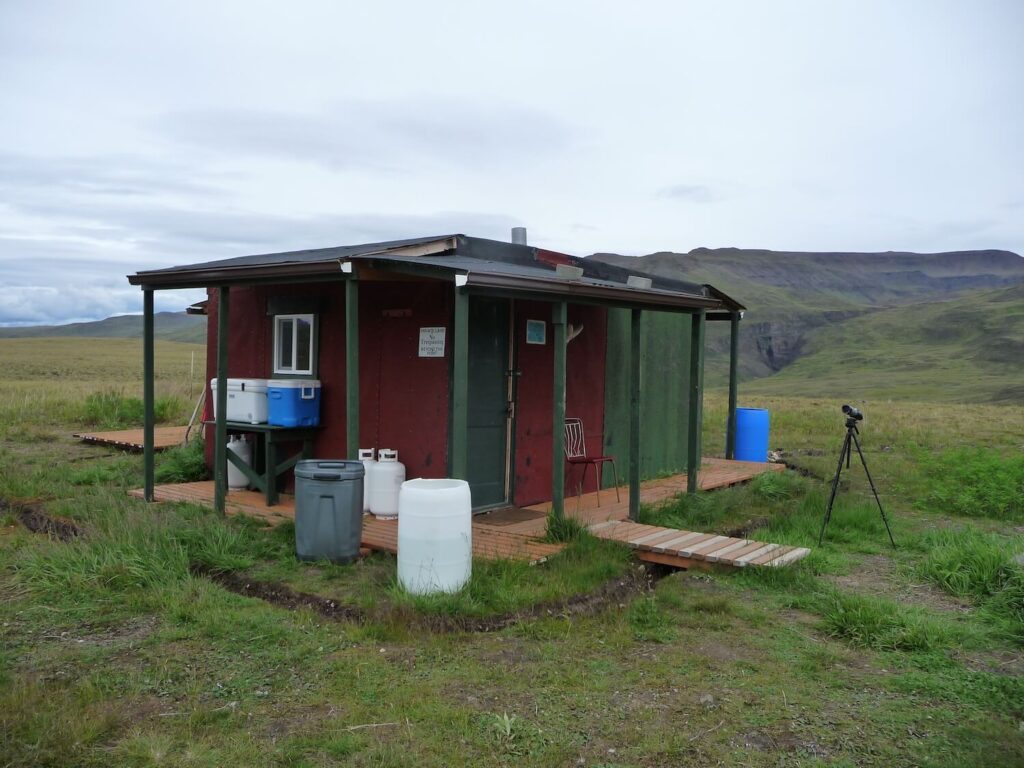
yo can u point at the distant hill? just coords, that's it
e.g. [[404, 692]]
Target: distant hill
[[168, 326], [969, 350], [793, 296]]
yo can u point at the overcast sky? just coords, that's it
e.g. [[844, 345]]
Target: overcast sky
[[145, 134]]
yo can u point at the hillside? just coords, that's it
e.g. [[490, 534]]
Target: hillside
[[168, 326], [967, 350], [791, 296]]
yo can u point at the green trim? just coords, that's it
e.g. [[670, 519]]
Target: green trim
[[148, 397], [352, 368], [635, 332], [734, 347], [696, 397], [559, 314], [460, 388], [220, 470]]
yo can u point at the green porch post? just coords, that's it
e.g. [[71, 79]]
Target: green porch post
[[149, 419], [634, 414], [220, 445], [696, 400], [558, 321], [352, 367], [734, 346], [460, 387]]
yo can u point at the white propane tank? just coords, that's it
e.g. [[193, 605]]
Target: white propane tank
[[239, 446], [366, 456], [435, 535], [386, 478]]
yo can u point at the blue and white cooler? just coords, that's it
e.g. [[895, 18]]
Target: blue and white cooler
[[293, 402]]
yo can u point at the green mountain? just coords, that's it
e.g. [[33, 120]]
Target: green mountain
[[168, 326], [797, 301], [965, 350]]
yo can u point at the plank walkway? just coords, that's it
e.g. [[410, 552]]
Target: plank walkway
[[689, 549], [131, 439], [513, 533], [489, 543], [715, 473]]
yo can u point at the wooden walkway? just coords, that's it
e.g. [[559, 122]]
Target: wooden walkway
[[714, 473], [131, 439], [687, 549], [489, 543], [514, 533]]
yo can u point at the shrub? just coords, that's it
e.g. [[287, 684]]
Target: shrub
[[882, 625], [976, 483], [967, 563], [182, 464], [110, 409]]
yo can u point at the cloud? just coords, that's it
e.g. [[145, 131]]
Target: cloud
[[694, 193], [376, 135], [62, 302]]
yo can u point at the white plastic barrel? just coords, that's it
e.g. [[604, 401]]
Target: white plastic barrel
[[366, 456], [386, 478], [241, 448], [435, 535]]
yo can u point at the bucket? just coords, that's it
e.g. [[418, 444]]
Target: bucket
[[435, 535], [752, 434]]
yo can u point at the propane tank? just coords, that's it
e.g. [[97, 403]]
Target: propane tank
[[241, 448], [366, 456], [388, 474]]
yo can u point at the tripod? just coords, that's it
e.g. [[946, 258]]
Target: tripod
[[853, 416]]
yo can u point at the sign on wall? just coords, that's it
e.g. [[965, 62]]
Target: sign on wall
[[536, 332], [432, 341]]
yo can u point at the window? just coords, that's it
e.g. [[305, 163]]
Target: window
[[293, 344]]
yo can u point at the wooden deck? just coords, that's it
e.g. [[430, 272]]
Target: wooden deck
[[715, 473], [131, 439], [514, 533], [489, 543]]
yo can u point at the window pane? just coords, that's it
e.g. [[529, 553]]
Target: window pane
[[284, 345], [303, 345]]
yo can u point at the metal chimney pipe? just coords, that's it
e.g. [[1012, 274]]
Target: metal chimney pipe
[[519, 235]]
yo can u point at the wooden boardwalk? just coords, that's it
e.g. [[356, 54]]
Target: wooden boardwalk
[[714, 473], [514, 533], [489, 543], [688, 549], [131, 439]]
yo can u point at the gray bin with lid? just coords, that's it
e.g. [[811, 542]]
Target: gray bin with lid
[[328, 509]]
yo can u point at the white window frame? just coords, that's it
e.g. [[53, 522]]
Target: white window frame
[[308, 318]]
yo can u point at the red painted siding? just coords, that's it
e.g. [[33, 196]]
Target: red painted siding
[[584, 394], [403, 398]]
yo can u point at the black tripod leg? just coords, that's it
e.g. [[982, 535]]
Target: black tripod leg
[[873, 490], [843, 454]]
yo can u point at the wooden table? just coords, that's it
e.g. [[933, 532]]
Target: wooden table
[[266, 456]]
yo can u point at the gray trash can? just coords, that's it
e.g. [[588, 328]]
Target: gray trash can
[[328, 509]]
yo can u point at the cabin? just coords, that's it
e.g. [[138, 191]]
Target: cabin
[[464, 354]]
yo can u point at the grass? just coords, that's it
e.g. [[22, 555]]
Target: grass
[[113, 653], [975, 482]]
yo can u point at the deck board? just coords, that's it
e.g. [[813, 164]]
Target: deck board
[[131, 439]]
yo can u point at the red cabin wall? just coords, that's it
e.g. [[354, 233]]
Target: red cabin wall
[[403, 397], [584, 396]]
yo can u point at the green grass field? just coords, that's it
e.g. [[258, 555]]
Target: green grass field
[[113, 651]]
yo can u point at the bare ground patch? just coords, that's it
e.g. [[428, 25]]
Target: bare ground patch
[[878, 575], [612, 593]]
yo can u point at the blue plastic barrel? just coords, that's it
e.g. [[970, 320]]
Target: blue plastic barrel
[[752, 434]]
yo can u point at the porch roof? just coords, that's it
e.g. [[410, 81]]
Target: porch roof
[[487, 265]]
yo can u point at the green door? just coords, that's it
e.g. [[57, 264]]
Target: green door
[[488, 417]]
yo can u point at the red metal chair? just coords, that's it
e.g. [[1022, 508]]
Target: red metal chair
[[576, 453]]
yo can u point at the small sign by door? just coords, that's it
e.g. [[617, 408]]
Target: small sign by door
[[432, 341], [536, 332]]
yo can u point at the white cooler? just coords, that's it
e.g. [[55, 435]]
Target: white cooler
[[247, 400]]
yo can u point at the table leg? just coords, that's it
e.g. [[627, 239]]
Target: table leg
[[271, 471]]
